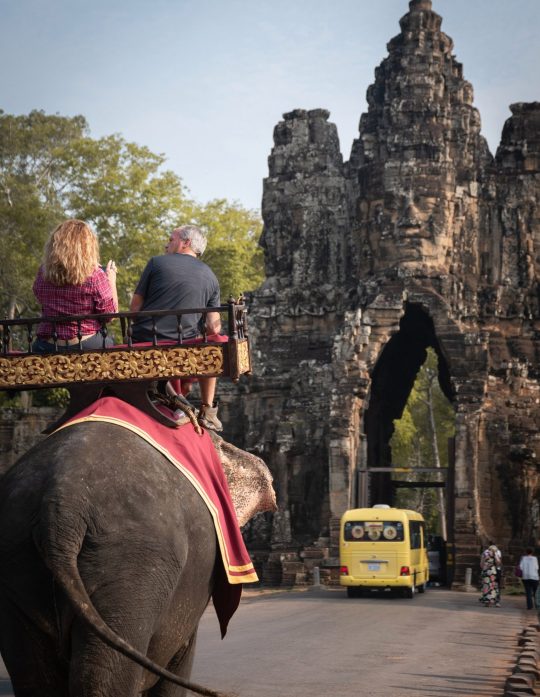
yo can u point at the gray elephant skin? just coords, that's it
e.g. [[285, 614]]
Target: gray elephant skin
[[101, 538]]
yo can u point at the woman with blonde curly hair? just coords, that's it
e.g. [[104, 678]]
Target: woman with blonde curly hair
[[71, 282]]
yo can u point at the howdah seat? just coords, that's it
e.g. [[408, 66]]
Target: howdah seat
[[127, 369]]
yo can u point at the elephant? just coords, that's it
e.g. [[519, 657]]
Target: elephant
[[108, 558]]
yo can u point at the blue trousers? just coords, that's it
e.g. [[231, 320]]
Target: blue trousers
[[93, 342], [531, 586]]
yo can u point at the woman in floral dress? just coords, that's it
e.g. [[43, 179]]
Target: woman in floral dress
[[488, 577]]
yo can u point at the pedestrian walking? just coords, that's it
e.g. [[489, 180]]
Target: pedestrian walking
[[529, 576], [490, 593]]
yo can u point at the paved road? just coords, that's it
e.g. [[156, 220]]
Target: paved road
[[439, 644], [321, 643], [5, 685]]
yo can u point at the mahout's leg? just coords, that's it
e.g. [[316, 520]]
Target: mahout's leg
[[181, 665], [30, 655]]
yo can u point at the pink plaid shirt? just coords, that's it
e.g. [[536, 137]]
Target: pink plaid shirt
[[92, 297]]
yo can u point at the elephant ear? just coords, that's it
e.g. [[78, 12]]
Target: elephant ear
[[249, 479]]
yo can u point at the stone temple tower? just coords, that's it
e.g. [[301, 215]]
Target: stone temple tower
[[421, 239]]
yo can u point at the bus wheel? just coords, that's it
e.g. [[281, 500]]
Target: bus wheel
[[409, 592], [422, 588]]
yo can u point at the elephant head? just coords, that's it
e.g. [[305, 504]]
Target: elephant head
[[250, 481]]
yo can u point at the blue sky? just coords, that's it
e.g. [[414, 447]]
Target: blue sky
[[205, 81]]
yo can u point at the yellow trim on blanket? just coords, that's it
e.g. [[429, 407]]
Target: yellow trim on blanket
[[247, 578], [241, 568]]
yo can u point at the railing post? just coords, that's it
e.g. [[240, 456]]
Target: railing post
[[127, 331], [54, 336], [29, 336], [6, 338], [231, 319], [232, 344], [245, 322]]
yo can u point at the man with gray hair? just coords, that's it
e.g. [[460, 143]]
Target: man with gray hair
[[179, 280]]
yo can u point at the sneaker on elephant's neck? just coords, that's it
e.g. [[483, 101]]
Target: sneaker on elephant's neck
[[208, 418]]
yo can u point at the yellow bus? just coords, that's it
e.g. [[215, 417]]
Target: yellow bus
[[383, 548]]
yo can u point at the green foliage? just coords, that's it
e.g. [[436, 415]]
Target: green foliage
[[54, 397], [119, 188], [412, 444], [51, 169], [10, 400], [32, 178], [233, 252]]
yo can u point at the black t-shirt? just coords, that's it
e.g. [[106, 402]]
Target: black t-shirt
[[175, 282]]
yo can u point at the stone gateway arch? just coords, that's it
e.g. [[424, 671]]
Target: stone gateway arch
[[421, 239]]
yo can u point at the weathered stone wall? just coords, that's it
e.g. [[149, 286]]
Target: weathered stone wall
[[21, 429], [421, 239]]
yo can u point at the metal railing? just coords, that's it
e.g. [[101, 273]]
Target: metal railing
[[19, 335]]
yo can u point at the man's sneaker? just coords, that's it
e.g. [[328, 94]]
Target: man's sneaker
[[208, 418]]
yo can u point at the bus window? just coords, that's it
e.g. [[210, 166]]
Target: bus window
[[373, 531], [415, 534]]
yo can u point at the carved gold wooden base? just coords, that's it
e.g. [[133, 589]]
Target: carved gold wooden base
[[32, 371]]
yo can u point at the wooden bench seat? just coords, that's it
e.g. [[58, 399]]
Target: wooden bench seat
[[125, 369], [28, 371]]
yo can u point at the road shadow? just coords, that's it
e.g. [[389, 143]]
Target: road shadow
[[443, 597], [450, 685], [5, 687]]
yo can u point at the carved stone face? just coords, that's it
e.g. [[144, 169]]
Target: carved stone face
[[250, 481], [415, 217], [408, 228]]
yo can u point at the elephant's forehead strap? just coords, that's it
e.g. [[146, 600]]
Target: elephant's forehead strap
[[196, 457]]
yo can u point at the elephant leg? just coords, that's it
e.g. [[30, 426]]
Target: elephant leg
[[181, 665], [30, 656], [97, 670]]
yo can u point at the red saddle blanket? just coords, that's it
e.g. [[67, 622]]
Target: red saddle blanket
[[195, 456]]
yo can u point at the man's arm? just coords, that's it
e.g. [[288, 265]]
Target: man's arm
[[136, 302], [110, 271], [141, 289], [213, 323]]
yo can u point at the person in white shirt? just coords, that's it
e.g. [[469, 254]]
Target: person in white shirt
[[529, 570]]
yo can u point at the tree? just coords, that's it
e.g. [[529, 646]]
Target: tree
[[51, 169], [233, 252], [420, 439], [31, 180], [121, 190]]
